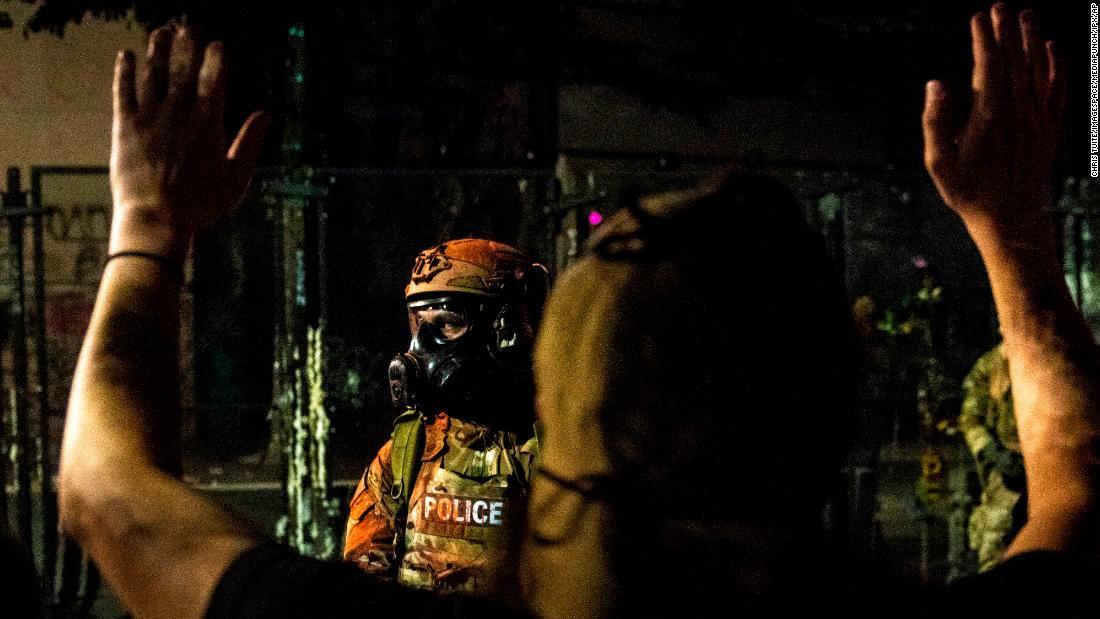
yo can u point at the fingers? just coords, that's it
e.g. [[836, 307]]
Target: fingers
[[210, 92], [1006, 29], [988, 77], [245, 151], [1003, 147], [1014, 65], [1035, 55], [154, 82], [183, 71], [939, 138], [125, 95], [1056, 80]]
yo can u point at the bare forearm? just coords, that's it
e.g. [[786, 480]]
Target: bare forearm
[[119, 496], [130, 356], [1055, 369], [1053, 360]]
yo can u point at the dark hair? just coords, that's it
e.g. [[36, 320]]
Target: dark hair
[[726, 411]]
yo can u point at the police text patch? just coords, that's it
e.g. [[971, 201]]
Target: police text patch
[[448, 509]]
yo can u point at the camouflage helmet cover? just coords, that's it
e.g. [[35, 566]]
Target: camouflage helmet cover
[[471, 266]]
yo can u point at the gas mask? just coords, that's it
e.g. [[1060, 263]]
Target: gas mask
[[469, 356]]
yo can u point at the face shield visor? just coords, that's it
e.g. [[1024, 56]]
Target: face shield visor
[[465, 359], [448, 317]]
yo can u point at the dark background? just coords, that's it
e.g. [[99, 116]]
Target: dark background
[[447, 118], [418, 122]]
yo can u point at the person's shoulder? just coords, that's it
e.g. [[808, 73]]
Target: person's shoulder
[[987, 363], [994, 355], [1033, 584], [434, 427], [383, 455], [272, 580]]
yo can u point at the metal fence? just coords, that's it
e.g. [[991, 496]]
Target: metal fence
[[311, 271]]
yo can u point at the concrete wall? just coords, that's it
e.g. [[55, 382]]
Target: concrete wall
[[55, 110], [55, 95]]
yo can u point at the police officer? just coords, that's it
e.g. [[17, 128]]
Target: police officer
[[430, 509], [988, 424]]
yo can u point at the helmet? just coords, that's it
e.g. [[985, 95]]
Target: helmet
[[474, 306], [469, 266]]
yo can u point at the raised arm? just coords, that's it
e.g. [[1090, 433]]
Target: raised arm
[[994, 167], [160, 545]]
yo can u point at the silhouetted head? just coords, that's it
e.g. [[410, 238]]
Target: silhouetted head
[[692, 376]]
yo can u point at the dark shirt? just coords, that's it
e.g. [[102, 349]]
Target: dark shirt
[[19, 587], [1033, 585], [271, 580]]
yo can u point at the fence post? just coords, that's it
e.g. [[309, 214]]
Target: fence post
[[43, 466], [298, 412], [15, 208]]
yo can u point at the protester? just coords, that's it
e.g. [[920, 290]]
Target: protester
[[621, 502]]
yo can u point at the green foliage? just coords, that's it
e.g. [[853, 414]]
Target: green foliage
[[53, 16]]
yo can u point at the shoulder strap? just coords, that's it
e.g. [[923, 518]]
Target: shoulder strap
[[408, 447]]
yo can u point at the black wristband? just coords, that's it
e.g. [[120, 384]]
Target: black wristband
[[175, 267]]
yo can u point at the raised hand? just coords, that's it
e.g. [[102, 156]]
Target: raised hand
[[171, 172], [993, 166]]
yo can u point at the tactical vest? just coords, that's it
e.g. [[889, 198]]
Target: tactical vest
[[450, 511]]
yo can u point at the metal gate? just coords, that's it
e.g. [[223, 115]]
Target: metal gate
[[52, 254], [336, 245]]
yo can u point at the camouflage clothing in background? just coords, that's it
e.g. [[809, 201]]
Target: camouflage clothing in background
[[988, 424], [469, 476]]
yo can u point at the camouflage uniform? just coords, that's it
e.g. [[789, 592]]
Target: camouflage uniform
[[474, 306], [469, 475], [988, 424]]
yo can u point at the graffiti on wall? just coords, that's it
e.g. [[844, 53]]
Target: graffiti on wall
[[78, 235]]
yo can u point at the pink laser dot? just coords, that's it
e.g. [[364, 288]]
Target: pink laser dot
[[594, 218]]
